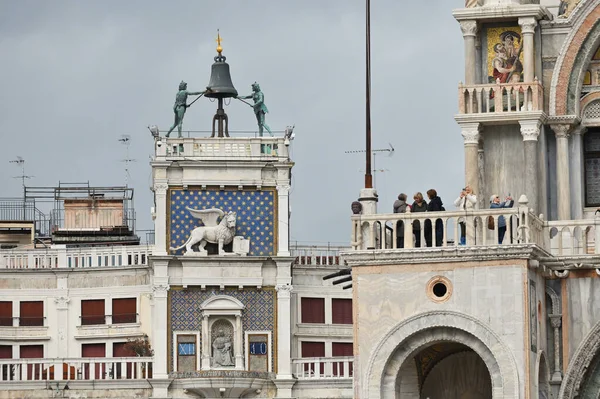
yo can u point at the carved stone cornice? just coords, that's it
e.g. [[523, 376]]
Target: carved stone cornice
[[284, 290], [469, 28], [528, 25], [561, 131]]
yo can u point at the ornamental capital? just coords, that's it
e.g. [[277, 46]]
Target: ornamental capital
[[555, 320], [160, 290], [284, 290], [530, 130], [161, 188], [62, 302], [528, 24], [469, 28], [470, 133], [561, 130]]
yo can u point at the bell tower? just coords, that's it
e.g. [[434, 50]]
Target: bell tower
[[221, 259]]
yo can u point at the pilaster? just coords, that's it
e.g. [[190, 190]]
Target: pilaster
[[160, 223], [469, 30], [284, 361], [528, 25], [205, 344], [530, 130], [239, 357], [62, 320], [561, 132], [160, 290], [471, 135], [283, 222]]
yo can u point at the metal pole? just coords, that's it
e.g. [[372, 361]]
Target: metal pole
[[368, 176]]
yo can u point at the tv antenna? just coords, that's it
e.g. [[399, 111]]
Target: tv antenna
[[126, 140], [389, 150], [21, 162]]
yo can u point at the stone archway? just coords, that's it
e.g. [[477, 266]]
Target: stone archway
[[577, 50], [542, 385], [582, 379], [407, 338]]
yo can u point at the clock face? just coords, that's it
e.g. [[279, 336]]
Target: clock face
[[186, 348]]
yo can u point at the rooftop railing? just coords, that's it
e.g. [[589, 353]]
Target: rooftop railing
[[475, 228], [317, 255], [215, 148], [53, 258], [500, 98]]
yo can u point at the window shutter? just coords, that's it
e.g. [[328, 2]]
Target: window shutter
[[92, 312], [313, 310], [124, 310], [341, 311], [32, 313]]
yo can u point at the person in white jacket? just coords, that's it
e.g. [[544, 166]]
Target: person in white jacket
[[467, 201]]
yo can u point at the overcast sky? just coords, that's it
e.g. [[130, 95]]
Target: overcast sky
[[77, 75]]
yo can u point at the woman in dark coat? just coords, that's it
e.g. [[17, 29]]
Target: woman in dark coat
[[435, 205], [420, 205]]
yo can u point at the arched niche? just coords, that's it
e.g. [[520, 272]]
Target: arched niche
[[222, 335], [582, 378]]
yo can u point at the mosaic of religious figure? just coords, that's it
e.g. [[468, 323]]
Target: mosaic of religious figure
[[504, 50], [566, 7]]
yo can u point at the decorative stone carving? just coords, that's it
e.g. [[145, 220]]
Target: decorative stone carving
[[561, 131], [468, 28], [160, 290], [161, 188], [62, 302], [356, 208], [530, 131], [211, 232], [556, 320], [562, 273], [284, 290], [566, 7], [528, 25], [473, 3], [241, 246], [470, 133], [222, 344]]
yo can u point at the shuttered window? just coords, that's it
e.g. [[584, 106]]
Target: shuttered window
[[6, 313], [96, 369], [124, 310], [313, 349], [32, 313], [342, 349], [92, 312], [341, 311], [313, 310]]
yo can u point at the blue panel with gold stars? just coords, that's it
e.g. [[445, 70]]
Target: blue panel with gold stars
[[255, 216]]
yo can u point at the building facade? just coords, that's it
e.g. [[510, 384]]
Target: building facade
[[504, 306]]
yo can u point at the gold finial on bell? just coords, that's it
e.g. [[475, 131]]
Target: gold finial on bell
[[219, 48]]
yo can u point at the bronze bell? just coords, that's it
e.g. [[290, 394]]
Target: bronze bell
[[220, 84]]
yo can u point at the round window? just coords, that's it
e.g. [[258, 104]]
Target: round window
[[439, 289]]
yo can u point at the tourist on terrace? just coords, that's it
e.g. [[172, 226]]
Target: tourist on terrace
[[466, 201], [400, 206], [435, 205], [495, 203], [420, 205]]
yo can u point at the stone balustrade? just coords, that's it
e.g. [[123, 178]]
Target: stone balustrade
[[317, 255], [320, 368], [214, 148], [53, 258], [574, 237], [500, 98], [86, 369]]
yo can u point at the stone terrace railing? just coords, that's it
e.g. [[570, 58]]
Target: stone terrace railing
[[577, 237], [87, 369], [215, 148], [52, 258], [500, 98], [322, 368], [317, 255]]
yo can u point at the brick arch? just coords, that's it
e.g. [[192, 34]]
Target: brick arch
[[578, 372], [573, 59], [413, 334]]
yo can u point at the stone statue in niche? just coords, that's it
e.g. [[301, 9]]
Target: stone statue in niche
[[221, 233], [221, 350]]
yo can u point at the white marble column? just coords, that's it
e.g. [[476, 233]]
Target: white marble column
[[576, 169], [530, 130], [469, 31], [205, 344], [62, 321], [562, 171], [283, 222], [160, 223], [528, 25], [284, 360], [470, 133], [239, 338], [159, 319]]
